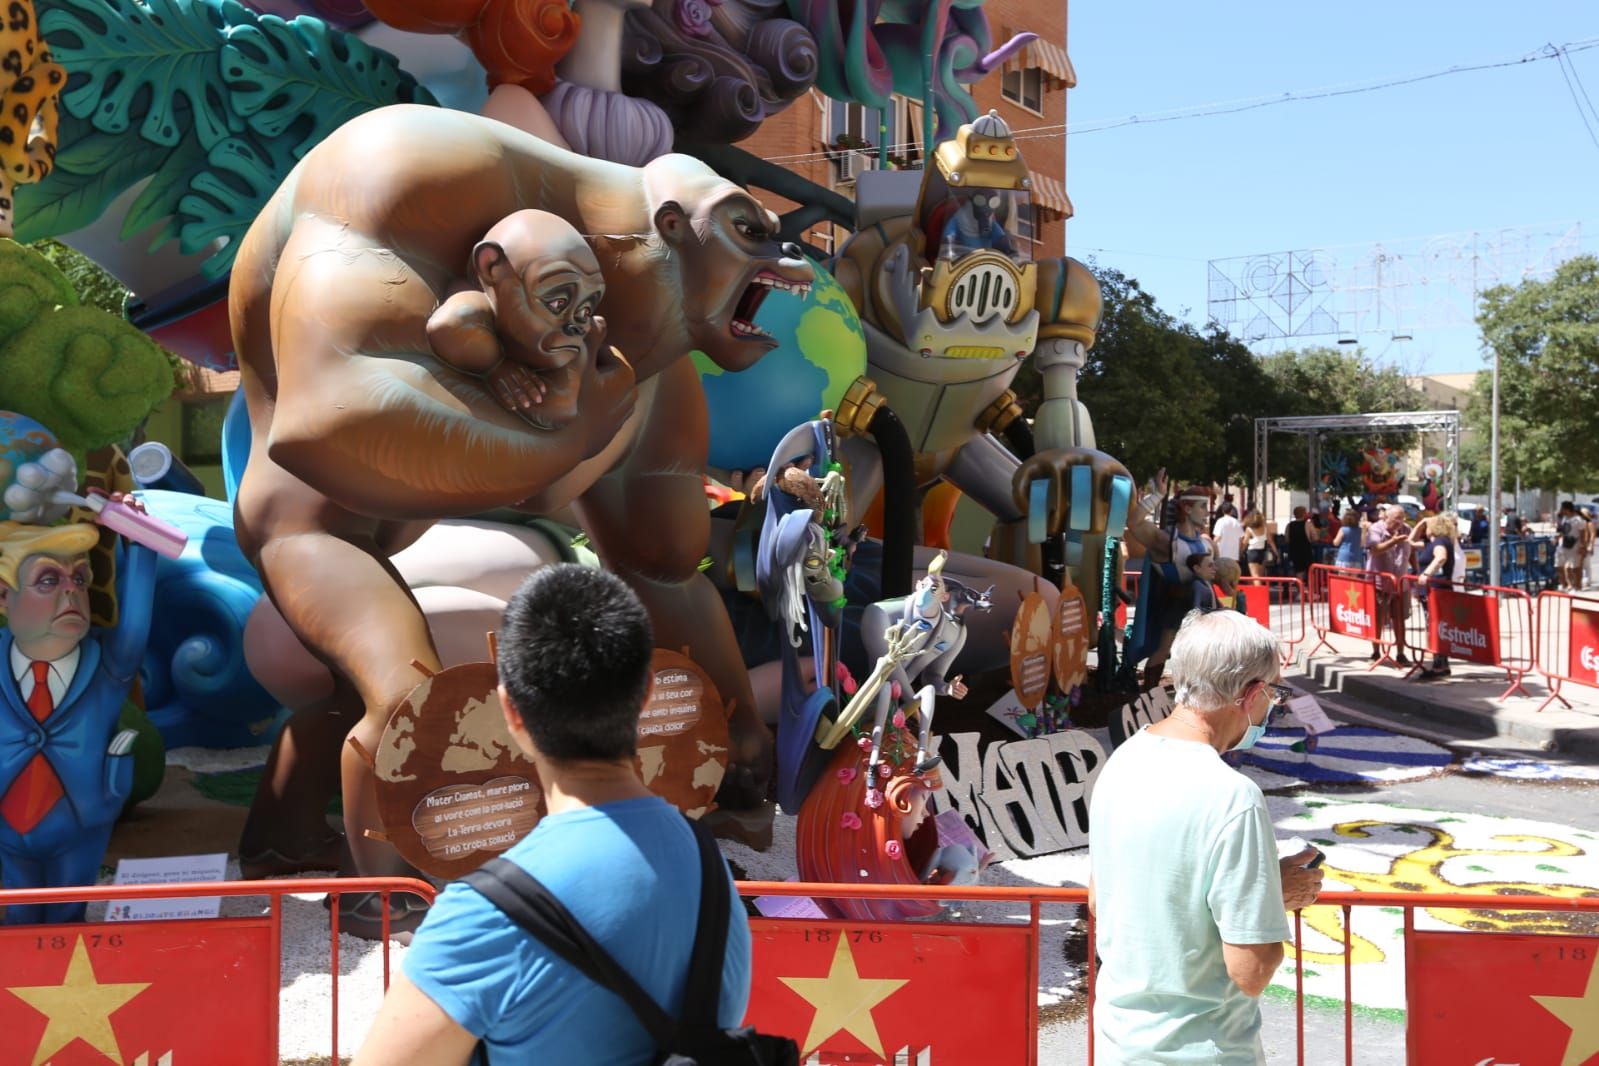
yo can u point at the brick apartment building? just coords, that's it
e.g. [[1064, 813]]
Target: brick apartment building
[[1029, 93]]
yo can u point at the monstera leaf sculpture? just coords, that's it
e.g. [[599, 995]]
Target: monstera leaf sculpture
[[209, 101]]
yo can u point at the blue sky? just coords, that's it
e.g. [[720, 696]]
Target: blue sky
[[1478, 151]]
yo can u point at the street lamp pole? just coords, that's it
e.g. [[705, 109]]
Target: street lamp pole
[[1494, 533]]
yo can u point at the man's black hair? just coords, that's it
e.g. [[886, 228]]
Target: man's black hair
[[574, 656], [1195, 558], [1568, 505]]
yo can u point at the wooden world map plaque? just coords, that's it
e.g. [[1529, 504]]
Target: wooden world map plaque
[[454, 790], [1029, 650]]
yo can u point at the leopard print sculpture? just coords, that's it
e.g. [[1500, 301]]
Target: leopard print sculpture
[[30, 83]]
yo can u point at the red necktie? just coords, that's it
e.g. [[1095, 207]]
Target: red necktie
[[37, 788]]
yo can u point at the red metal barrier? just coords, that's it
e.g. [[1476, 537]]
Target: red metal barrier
[[1355, 603], [922, 941], [1278, 603], [1568, 642], [1489, 625], [200, 928], [1418, 1037], [1130, 580]]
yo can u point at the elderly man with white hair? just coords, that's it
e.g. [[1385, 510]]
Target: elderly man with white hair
[[1186, 886]]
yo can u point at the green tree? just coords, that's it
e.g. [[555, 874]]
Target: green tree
[[1329, 381], [89, 280], [1546, 335]]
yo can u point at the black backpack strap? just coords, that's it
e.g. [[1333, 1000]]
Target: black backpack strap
[[703, 994], [533, 907]]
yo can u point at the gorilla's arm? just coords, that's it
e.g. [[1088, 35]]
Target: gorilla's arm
[[650, 524], [366, 415]]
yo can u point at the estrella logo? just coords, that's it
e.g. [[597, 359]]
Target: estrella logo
[[1590, 658], [1355, 618], [1472, 637]]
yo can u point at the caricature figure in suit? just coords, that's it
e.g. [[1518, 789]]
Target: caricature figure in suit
[[65, 770]]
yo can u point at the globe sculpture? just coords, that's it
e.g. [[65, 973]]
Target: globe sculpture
[[821, 349]]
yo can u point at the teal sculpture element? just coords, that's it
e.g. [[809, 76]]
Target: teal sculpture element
[[211, 102], [821, 350]]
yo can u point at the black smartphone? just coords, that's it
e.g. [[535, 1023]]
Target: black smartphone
[[1321, 857]]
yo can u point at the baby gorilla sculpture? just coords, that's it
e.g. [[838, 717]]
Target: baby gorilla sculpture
[[523, 331]]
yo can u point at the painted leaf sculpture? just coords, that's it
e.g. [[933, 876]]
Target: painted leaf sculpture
[[28, 107], [86, 374], [210, 101]]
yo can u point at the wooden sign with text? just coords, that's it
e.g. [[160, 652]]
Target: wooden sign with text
[[1030, 651], [454, 790], [1069, 648]]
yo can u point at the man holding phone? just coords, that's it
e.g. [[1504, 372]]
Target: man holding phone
[[1186, 886]]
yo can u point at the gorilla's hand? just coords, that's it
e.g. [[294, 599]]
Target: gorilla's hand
[[29, 498]]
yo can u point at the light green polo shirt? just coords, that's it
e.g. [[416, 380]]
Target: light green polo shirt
[[1184, 858]]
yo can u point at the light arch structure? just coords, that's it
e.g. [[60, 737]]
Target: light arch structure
[[1317, 428]]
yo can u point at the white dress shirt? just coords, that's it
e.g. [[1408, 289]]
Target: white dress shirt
[[62, 671]]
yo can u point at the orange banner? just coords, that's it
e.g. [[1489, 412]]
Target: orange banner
[[870, 993]]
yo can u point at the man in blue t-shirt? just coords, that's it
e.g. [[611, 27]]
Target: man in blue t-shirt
[[574, 662]]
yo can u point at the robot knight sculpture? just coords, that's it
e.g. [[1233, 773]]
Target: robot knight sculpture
[[952, 305]]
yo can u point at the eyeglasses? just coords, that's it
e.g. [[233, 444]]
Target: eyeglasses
[[1280, 694]]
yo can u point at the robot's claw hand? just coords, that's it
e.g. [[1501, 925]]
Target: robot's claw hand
[[1077, 490]]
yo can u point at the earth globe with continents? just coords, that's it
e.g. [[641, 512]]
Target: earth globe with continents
[[821, 350]]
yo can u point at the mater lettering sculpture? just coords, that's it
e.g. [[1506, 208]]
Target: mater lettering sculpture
[[365, 437]]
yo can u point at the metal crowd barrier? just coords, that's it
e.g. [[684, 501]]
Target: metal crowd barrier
[[1489, 625], [1278, 603], [274, 891], [1568, 642], [1355, 603], [1454, 909]]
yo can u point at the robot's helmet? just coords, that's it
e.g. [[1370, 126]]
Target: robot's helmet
[[983, 154]]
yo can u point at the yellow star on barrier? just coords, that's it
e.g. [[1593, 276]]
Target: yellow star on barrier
[[79, 1008], [1352, 594], [843, 1000], [1581, 1015]]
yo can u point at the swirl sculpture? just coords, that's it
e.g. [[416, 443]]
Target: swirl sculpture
[[872, 49], [718, 68], [517, 41]]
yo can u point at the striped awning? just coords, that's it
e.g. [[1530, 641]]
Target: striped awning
[[1050, 194], [1047, 56]]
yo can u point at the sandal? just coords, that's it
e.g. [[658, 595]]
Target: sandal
[[270, 862]]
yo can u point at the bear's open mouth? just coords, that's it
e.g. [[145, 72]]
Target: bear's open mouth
[[749, 305]]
